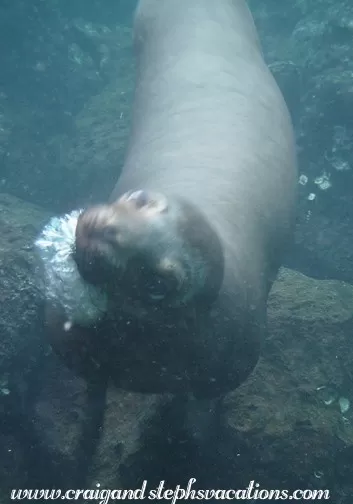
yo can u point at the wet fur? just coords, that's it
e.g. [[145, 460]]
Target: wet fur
[[210, 126]]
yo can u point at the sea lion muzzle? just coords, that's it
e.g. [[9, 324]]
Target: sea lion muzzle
[[139, 247], [109, 236], [95, 246]]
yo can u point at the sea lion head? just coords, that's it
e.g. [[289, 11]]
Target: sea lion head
[[148, 249]]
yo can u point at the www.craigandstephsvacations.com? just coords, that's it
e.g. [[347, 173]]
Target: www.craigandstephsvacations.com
[[252, 492]]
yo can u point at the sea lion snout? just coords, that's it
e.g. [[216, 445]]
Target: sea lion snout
[[95, 243], [108, 236], [120, 223]]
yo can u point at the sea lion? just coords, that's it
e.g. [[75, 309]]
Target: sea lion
[[188, 245]]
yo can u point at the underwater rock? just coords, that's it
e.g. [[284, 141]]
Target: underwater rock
[[273, 427], [315, 37], [272, 421]]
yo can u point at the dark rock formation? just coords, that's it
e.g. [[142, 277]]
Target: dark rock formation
[[284, 427], [289, 425], [21, 348], [308, 44], [54, 57]]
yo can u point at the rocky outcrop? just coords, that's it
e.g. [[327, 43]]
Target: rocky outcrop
[[285, 427], [307, 45], [54, 58], [289, 425]]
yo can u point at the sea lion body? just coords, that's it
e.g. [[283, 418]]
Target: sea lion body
[[210, 128]]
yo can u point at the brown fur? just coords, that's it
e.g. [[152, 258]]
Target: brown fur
[[212, 135]]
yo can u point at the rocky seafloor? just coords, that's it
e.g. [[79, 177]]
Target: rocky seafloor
[[290, 425]]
